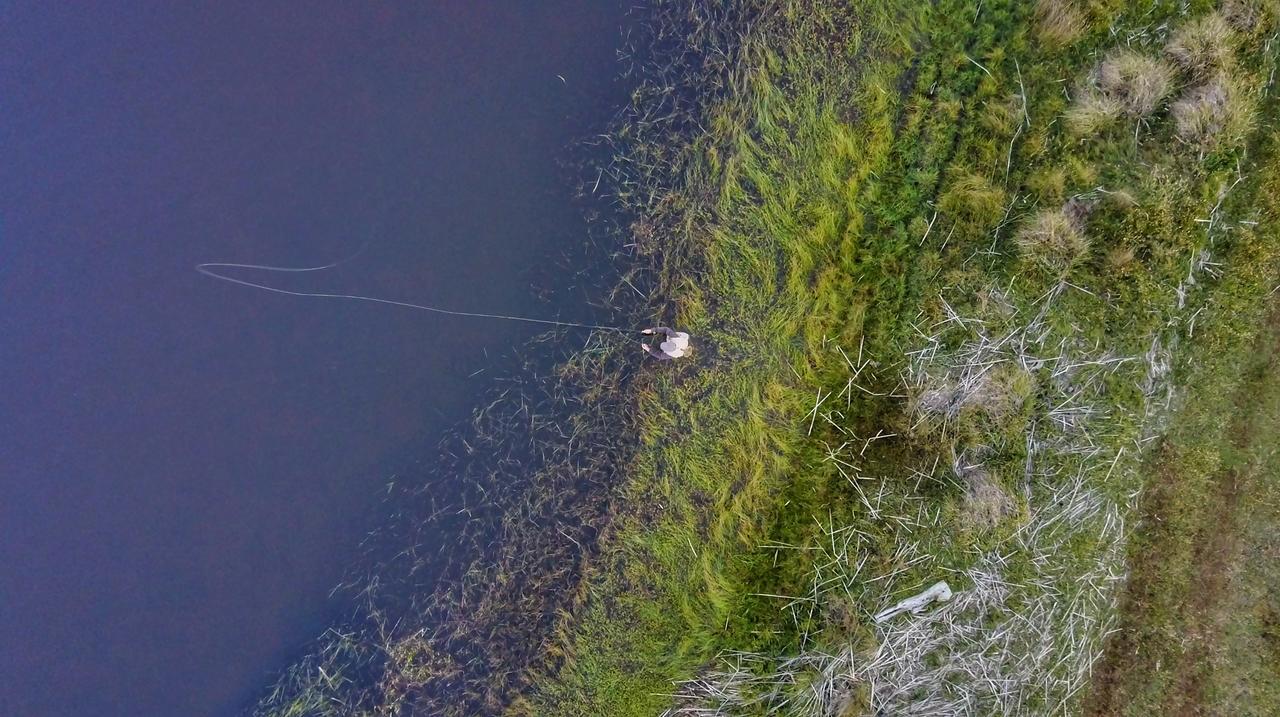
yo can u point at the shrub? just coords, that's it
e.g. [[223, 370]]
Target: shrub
[[1059, 22], [1212, 114], [1092, 112], [1135, 81], [1052, 240], [1203, 45]]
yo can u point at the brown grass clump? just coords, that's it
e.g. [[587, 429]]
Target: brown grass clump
[[1052, 240], [1125, 83], [1243, 15], [998, 394], [1059, 22], [940, 397], [1079, 209], [1120, 258], [1203, 45], [986, 504], [1212, 114], [972, 199], [1121, 199], [1002, 392], [1092, 112], [1240, 14], [1137, 82]]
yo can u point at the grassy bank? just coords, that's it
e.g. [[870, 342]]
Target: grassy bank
[[1198, 628], [945, 257], [945, 265]]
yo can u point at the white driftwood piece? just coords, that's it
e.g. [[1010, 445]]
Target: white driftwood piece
[[939, 591]]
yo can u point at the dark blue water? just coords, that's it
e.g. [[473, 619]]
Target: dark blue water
[[187, 466]]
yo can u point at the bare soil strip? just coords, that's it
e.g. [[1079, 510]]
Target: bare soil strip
[[1204, 603]]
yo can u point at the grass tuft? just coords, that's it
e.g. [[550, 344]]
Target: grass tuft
[[1137, 82], [1203, 46], [986, 504], [1052, 240], [1213, 114], [1243, 15], [1059, 22], [1092, 112]]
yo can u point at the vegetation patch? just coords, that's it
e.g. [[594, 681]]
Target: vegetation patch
[[1054, 240], [1194, 635], [963, 387], [1212, 113], [944, 290]]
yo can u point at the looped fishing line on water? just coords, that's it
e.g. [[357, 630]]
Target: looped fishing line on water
[[209, 269]]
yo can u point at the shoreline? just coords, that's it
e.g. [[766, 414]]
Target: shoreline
[[941, 324], [410, 635]]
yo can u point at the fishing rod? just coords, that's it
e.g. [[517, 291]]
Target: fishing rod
[[210, 268]]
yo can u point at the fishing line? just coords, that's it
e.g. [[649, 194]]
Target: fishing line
[[210, 268]]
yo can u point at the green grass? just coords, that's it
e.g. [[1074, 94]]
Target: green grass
[[777, 254], [1197, 631], [807, 203]]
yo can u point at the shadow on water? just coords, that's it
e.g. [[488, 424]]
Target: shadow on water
[[189, 467]]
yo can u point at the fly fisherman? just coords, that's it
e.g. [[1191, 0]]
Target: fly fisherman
[[675, 345]]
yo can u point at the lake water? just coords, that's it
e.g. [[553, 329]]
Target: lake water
[[188, 466]]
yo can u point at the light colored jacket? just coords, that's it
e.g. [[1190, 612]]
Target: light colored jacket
[[674, 346]]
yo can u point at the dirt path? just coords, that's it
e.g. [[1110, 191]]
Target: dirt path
[[1214, 568], [1179, 594]]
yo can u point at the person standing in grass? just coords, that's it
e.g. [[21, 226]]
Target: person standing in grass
[[675, 345]]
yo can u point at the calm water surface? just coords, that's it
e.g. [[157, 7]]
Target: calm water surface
[[187, 466]]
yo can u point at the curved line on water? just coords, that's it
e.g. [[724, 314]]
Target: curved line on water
[[208, 269]]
